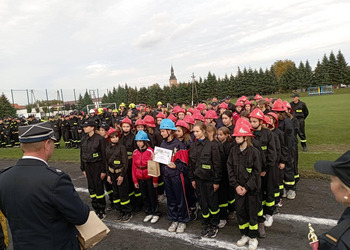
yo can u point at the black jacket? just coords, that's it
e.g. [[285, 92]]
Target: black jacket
[[93, 150], [205, 162], [300, 110], [117, 158], [268, 146], [244, 168], [45, 209], [341, 235]]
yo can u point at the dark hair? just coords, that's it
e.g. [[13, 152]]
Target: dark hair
[[202, 127], [245, 113], [228, 113], [211, 128], [226, 131]]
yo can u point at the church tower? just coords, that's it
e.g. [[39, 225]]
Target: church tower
[[172, 79]]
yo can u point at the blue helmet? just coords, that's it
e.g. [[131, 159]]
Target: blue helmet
[[141, 136], [167, 124]]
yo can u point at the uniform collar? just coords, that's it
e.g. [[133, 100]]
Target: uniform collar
[[34, 158]]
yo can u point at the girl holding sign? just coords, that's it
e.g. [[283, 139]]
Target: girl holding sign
[[174, 174], [147, 184]]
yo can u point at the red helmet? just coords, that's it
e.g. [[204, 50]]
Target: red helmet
[[244, 121], [278, 106], [113, 130], [191, 110], [172, 117], [176, 109], [287, 105], [258, 97], [149, 121], [239, 103], [243, 98], [267, 120], [248, 103], [223, 105], [183, 124], [198, 116], [180, 110], [257, 113], [126, 120], [242, 130], [201, 106], [140, 122], [211, 114], [268, 100], [160, 115], [274, 115], [189, 119]]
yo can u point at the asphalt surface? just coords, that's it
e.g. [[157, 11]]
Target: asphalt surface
[[314, 203]]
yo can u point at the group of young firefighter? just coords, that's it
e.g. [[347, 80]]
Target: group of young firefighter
[[228, 160]]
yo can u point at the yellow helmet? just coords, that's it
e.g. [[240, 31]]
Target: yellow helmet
[[100, 111], [132, 105], [159, 103], [122, 105], [115, 110]]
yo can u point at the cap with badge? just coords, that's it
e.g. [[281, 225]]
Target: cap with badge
[[35, 132], [339, 168], [89, 123]]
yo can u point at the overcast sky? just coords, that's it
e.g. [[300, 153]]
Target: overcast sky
[[85, 44]]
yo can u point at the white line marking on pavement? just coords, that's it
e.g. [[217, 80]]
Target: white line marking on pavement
[[283, 217], [80, 177], [305, 219], [192, 239]]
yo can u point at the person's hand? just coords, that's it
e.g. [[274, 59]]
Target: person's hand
[[84, 173], [216, 187], [152, 156], [239, 190], [263, 173], [244, 191], [155, 185], [281, 166], [137, 185], [102, 176], [194, 184], [172, 165], [120, 180], [109, 179]]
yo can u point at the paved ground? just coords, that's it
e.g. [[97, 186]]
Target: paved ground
[[314, 203]]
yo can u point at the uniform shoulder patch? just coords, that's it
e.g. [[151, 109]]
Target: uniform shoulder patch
[[55, 170]]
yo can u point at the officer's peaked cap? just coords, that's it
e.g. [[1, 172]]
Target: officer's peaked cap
[[35, 132]]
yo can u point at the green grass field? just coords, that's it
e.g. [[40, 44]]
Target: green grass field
[[326, 130]]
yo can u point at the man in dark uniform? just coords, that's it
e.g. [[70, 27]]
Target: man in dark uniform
[[46, 206], [231, 106], [300, 112]]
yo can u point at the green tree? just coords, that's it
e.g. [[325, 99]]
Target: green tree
[[333, 70], [288, 80], [6, 109], [343, 70]]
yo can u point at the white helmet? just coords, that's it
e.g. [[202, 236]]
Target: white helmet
[[92, 111]]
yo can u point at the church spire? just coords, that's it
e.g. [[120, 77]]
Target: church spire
[[172, 79]]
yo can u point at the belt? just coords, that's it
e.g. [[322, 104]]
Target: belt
[[116, 171], [141, 167]]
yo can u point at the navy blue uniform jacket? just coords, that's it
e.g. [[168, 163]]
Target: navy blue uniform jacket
[[41, 205]]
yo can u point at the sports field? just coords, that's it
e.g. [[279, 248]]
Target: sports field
[[327, 131]]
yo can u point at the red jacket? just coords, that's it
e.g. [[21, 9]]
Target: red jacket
[[139, 159]]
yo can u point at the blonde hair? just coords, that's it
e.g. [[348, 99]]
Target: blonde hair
[[32, 147], [202, 127]]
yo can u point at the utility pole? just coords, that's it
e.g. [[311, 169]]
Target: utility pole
[[194, 87]]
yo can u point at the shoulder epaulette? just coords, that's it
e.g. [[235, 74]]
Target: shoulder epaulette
[[333, 235], [5, 169], [55, 170]]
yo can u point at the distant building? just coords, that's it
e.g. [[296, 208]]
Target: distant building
[[172, 79]]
